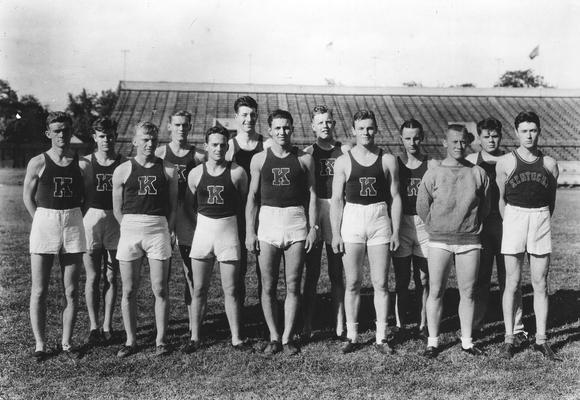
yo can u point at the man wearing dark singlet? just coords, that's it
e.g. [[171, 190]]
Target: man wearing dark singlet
[[101, 229], [284, 177], [53, 195], [144, 203], [325, 151], [489, 132], [184, 156], [367, 179], [527, 182]]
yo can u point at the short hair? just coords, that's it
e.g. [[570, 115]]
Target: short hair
[[364, 114], [104, 124], [527, 116], [218, 129], [489, 124], [58, 116], [180, 113], [461, 129], [148, 128], [321, 109], [283, 114], [412, 124], [245, 101]]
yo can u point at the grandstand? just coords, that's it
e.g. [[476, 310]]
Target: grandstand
[[212, 103]]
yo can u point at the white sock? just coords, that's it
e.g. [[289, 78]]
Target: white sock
[[381, 332], [433, 342], [352, 331], [466, 343]]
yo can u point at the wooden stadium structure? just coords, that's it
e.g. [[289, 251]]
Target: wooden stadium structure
[[435, 108]]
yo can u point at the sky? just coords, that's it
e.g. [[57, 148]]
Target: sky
[[51, 48]]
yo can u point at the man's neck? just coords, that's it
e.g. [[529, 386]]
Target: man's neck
[[105, 155], [179, 145], [281, 150], [143, 159], [215, 164], [414, 159], [60, 152], [326, 144], [247, 136], [528, 153], [453, 162]]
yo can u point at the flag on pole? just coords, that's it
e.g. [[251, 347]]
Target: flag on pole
[[535, 52]]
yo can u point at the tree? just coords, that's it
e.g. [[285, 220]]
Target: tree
[[106, 102], [86, 107], [464, 85], [412, 84], [521, 78]]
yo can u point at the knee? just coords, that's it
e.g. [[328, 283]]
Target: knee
[[71, 292], [353, 285], [511, 284], [230, 290], [38, 293], [199, 291], [129, 292], [436, 291], [540, 285], [293, 287], [159, 290]]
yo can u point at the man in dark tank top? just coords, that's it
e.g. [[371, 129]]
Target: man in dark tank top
[[218, 187], [489, 132], [284, 178], [241, 149], [367, 180], [101, 229], [527, 182], [185, 157], [325, 151], [53, 195], [144, 203]]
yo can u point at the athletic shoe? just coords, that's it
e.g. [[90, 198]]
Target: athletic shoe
[[243, 347], [349, 347], [423, 334], [507, 351], [431, 352], [473, 350], [396, 335], [291, 348], [162, 350], [94, 337], [273, 347], [126, 351], [546, 351], [40, 355], [521, 340], [70, 352], [384, 348], [191, 347], [340, 338]]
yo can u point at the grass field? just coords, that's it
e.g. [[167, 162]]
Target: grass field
[[319, 372]]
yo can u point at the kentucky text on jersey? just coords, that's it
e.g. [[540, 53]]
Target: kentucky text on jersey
[[528, 176]]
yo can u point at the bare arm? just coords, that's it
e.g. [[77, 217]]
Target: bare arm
[[171, 174], [552, 167], [192, 182], [230, 152], [337, 202], [251, 204], [312, 237], [33, 171], [240, 181], [500, 179], [87, 173], [119, 177], [391, 168]]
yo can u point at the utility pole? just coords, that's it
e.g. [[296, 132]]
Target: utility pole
[[250, 68], [124, 51]]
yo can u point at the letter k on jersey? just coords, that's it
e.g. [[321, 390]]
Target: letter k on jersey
[[280, 176], [214, 194], [146, 185], [62, 186], [104, 182], [367, 187]]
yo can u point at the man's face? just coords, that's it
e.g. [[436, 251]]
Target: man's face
[[216, 147], [246, 118], [412, 138], [364, 131], [145, 143], [323, 126], [281, 130], [528, 134], [456, 144], [489, 141], [59, 133], [179, 128], [105, 140]]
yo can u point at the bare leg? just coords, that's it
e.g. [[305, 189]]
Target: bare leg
[[294, 257], [202, 270], [379, 262], [513, 269], [110, 289], [539, 266], [421, 279], [352, 260], [482, 288], [309, 291], [92, 261], [40, 266], [270, 268], [518, 310], [230, 276], [402, 267], [336, 275], [184, 252], [466, 269], [130, 277], [159, 272], [439, 266]]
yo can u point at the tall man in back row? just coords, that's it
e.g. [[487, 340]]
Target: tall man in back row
[[53, 195], [369, 180], [325, 151], [185, 157], [527, 182], [284, 177]]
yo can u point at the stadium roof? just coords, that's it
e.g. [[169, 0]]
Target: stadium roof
[[558, 109]]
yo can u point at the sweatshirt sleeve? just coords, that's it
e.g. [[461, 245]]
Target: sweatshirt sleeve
[[424, 197]]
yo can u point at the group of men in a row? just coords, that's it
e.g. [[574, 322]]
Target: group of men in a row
[[267, 197]]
